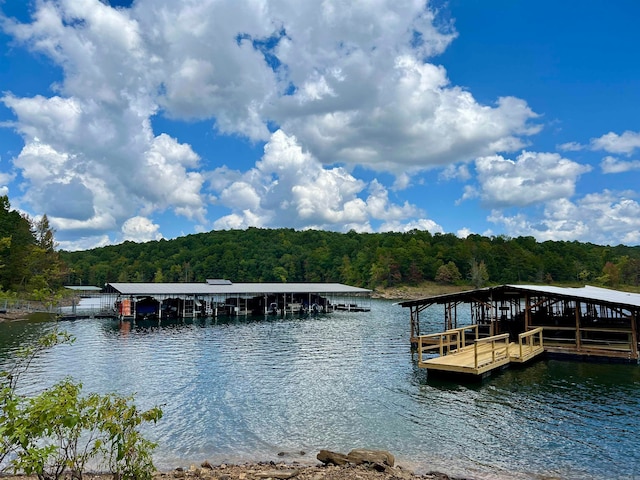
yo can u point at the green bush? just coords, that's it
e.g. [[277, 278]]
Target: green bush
[[61, 431]]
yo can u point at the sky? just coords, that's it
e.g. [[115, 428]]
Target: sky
[[148, 119]]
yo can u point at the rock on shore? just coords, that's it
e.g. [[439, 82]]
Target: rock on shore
[[359, 464]]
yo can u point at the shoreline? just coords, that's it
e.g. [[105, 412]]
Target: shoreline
[[299, 471], [274, 471]]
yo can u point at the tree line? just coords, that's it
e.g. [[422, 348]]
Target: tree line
[[30, 262], [360, 259]]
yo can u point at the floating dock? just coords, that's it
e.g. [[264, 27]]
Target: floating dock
[[461, 351], [585, 323]]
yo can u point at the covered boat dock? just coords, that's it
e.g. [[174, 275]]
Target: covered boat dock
[[158, 301], [520, 322]]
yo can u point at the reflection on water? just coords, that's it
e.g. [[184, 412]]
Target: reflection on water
[[240, 389]]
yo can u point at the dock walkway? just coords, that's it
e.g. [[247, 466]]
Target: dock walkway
[[459, 350]]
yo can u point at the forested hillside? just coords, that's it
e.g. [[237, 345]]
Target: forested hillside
[[360, 259], [29, 262]]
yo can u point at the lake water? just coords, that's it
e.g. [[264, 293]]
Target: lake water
[[246, 389]]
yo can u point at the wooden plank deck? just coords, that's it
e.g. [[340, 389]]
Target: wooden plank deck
[[486, 354]]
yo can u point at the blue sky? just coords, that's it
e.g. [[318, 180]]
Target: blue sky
[[158, 118]]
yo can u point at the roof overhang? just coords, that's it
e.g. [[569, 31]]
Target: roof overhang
[[588, 293]]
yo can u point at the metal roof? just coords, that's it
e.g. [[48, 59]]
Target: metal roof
[[595, 294], [152, 289], [588, 292]]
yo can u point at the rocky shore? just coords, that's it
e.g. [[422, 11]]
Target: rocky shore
[[359, 464], [283, 471], [13, 316]]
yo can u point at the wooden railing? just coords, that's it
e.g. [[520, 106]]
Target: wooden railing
[[499, 350], [530, 343], [444, 341]]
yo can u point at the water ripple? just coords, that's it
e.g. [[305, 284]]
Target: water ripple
[[244, 389]]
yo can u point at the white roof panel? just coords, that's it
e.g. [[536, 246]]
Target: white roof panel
[[587, 292], [233, 288]]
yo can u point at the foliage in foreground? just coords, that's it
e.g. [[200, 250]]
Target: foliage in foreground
[[61, 431]]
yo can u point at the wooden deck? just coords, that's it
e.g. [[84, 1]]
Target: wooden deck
[[457, 353]]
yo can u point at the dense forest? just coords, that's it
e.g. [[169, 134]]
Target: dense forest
[[360, 259], [30, 263]]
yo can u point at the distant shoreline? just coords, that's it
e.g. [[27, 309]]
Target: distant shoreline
[[416, 292]]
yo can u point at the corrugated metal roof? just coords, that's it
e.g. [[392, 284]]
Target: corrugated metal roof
[[152, 289], [604, 295], [596, 294], [162, 288]]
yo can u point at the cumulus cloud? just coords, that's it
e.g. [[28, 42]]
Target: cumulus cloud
[[606, 218], [290, 187], [421, 224], [463, 233], [107, 167], [411, 118], [626, 143], [532, 178], [140, 229], [352, 84], [614, 165]]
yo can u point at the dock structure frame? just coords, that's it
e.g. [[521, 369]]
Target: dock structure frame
[[161, 301], [584, 322]]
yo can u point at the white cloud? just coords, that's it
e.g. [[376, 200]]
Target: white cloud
[[289, 187], [614, 165], [463, 232], [140, 229], [606, 218], [626, 143], [402, 181], [421, 224], [5, 179], [530, 179], [570, 147], [350, 82], [404, 115], [455, 172], [84, 243]]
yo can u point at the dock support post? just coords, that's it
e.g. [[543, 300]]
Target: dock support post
[[578, 334], [634, 335]]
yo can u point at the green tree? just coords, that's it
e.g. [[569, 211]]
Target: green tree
[[17, 241], [478, 274], [448, 273], [44, 234], [610, 274], [280, 273], [158, 277]]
